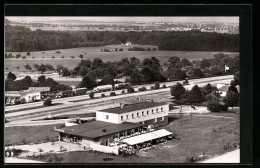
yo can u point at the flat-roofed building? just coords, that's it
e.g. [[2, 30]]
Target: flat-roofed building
[[147, 113]]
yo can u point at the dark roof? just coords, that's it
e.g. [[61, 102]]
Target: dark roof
[[133, 107], [94, 129]]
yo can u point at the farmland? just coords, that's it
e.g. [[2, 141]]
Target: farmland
[[45, 57]]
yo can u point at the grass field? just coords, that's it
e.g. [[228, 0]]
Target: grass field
[[201, 134], [30, 134], [95, 52]]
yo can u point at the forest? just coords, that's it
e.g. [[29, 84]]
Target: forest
[[22, 39]]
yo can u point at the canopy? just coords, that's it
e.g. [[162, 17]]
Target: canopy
[[147, 137]]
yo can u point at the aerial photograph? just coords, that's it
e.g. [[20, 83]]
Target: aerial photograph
[[107, 90]]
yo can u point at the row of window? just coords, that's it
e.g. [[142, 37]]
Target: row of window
[[143, 113]]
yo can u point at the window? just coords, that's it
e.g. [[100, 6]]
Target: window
[[143, 113], [147, 112], [29, 96], [122, 117], [155, 120], [107, 117], [152, 111], [157, 110], [127, 117], [133, 115], [162, 118], [162, 109], [137, 114]]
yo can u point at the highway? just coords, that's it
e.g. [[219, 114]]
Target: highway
[[83, 104]]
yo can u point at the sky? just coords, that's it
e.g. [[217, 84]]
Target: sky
[[124, 19]]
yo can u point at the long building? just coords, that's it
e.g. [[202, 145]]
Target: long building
[[123, 122]]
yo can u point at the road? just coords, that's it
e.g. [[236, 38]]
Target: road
[[230, 157], [18, 160], [83, 104], [68, 99]]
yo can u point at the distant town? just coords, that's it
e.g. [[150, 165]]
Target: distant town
[[230, 28]]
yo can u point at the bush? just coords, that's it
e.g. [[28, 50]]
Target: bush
[[214, 106], [91, 95], [151, 87], [33, 57], [23, 57], [57, 52], [52, 57], [142, 89], [157, 85], [112, 93], [103, 95], [136, 49], [47, 102], [72, 57], [130, 89], [121, 49], [62, 56], [163, 86], [80, 56], [154, 49], [28, 53], [123, 91]]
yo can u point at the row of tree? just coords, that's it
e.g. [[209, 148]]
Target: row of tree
[[15, 85], [19, 39]]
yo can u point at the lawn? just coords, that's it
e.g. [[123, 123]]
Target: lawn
[[201, 134], [31, 134], [95, 52]]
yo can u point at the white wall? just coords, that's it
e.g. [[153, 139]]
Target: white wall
[[105, 149], [28, 96], [116, 118]]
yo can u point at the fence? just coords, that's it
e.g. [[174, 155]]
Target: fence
[[105, 149]]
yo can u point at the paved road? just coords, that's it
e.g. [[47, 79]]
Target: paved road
[[230, 157], [87, 104], [68, 99]]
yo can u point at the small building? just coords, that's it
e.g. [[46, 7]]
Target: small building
[[128, 43], [224, 89], [30, 95]]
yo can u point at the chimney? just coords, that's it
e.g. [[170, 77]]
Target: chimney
[[104, 130]]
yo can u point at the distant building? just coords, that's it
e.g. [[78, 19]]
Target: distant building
[[30, 95], [128, 44], [224, 89]]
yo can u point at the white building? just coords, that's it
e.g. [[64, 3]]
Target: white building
[[148, 113]]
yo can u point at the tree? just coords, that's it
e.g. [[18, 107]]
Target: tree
[[232, 99], [91, 95], [233, 88], [185, 62], [97, 63], [217, 70], [80, 56], [177, 90], [112, 93], [147, 74], [130, 89], [28, 53], [236, 78], [42, 68], [41, 79], [178, 74], [195, 95], [11, 75], [214, 106], [135, 76], [197, 72], [108, 80], [87, 82], [47, 102], [204, 63], [157, 85], [173, 60], [209, 88], [66, 72], [27, 67]]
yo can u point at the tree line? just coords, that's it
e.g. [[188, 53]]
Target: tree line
[[21, 39], [15, 85]]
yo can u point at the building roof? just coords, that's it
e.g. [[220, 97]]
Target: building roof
[[95, 129], [224, 88], [133, 107]]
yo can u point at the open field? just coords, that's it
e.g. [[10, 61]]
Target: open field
[[30, 134], [195, 136], [95, 52]]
